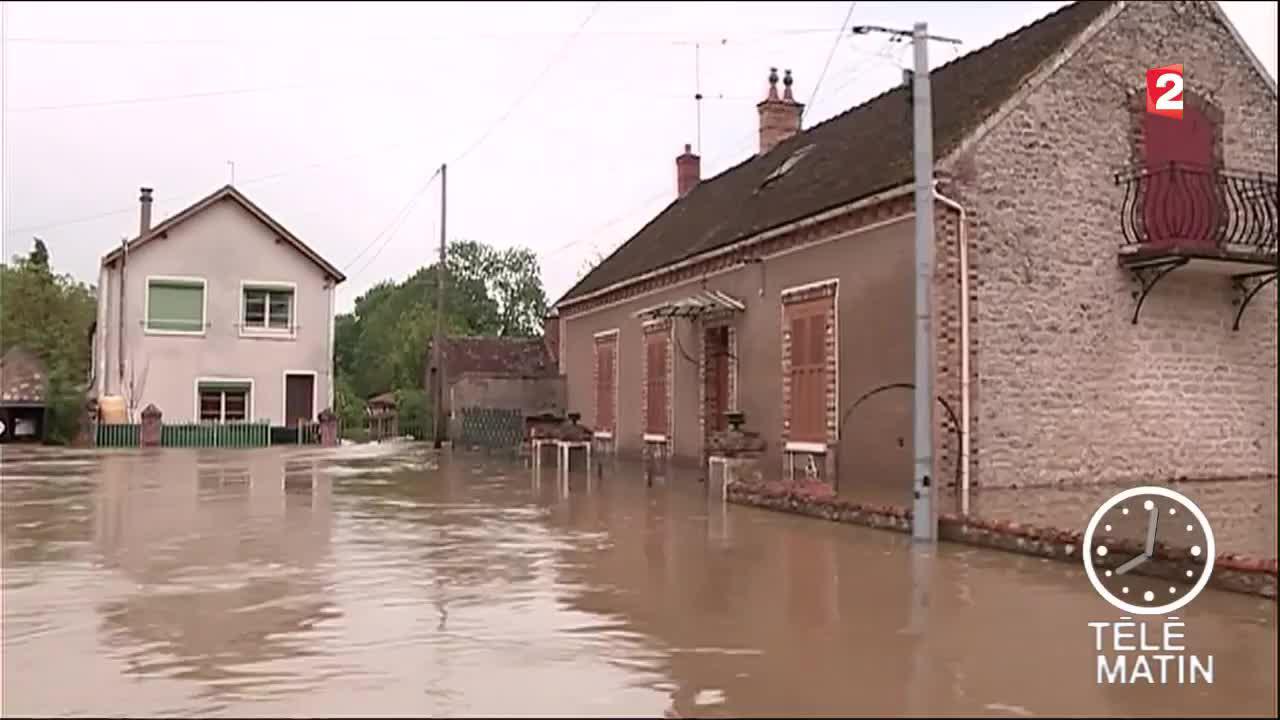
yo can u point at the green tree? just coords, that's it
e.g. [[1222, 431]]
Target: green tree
[[381, 345], [50, 315]]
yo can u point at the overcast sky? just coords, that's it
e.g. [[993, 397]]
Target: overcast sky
[[560, 121]]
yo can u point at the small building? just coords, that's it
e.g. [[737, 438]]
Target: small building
[[484, 374], [24, 384], [383, 415]]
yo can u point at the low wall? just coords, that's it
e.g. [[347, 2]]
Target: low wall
[[1232, 571]]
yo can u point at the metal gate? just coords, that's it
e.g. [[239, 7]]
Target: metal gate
[[491, 428]]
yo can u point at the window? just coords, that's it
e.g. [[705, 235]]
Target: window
[[656, 344], [224, 402], [807, 323], [788, 164], [175, 305], [606, 374], [268, 309]]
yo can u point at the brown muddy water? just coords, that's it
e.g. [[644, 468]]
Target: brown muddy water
[[374, 580]]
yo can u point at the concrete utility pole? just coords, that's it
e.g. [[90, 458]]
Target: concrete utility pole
[[437, 341], [924, 517]]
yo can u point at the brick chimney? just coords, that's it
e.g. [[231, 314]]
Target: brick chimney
[[688, 171], [144, 215], [779, 117]]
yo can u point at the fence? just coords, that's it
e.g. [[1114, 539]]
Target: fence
[[117, 435], [215, 435], [491, 428]]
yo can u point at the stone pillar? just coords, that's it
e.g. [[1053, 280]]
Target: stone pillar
[[86, 433], [151, 431], [328, 428]]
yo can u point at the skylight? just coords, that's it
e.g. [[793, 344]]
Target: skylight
[[787, 164]]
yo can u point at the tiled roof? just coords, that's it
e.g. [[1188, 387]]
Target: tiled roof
[[861, 152], [517, 357], [227, 192], [23, 379]]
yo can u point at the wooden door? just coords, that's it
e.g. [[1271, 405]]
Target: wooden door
[[717, 361], [299, 399], [1183, 204]]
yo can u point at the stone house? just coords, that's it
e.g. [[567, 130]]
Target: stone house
[[1103, 312]]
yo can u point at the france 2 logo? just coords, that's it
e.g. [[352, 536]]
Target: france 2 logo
[[1164, 91]]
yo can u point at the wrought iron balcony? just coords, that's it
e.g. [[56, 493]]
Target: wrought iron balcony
[[1200, 209], [1214, 219]]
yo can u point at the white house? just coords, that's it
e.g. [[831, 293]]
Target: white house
[[217, 314]]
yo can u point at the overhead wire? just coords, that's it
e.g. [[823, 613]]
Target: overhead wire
[[813, 97], [555, 59], [392, 227]]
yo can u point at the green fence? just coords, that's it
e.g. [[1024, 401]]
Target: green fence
[[211, 435], [119, 435], [492, 428]]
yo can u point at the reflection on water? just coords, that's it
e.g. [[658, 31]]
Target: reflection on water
[[383, 580]]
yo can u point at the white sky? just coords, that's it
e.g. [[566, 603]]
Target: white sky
[[335, 114]]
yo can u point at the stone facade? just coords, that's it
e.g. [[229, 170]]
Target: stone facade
[[1065, 388]]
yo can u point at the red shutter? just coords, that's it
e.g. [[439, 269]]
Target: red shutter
[[808, 354], [605, 391], [656, 364]]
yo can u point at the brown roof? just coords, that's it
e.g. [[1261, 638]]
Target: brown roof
[[23, 378], [861, 152], [386, 398], [228, 192], [517, 357]]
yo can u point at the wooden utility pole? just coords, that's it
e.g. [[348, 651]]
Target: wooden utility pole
[[437, 341]]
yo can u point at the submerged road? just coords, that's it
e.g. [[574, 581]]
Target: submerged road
[[381, 580]]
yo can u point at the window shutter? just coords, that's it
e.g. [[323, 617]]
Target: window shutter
[[175, 306], [605, 359]]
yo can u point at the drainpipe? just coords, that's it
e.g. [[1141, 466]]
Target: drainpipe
[[964, 351], [122, 296]]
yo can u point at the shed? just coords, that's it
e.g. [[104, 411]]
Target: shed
[[24, 385]]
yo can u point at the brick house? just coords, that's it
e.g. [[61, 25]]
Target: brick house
[[1104, 313], [498, 373]]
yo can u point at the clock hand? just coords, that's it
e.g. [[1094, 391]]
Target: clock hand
[[1131, 564], [1151, 532]]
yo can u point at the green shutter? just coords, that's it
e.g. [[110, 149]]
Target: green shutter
[[175, 305]]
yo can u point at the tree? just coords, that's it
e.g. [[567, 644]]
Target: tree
[[382, 344], [50, 315]]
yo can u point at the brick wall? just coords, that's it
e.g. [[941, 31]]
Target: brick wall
[[1066, 389]]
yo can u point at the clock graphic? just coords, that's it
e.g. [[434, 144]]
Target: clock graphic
[[1125, 533]]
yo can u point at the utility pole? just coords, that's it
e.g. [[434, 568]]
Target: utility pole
[[436, 349], [924, 516]]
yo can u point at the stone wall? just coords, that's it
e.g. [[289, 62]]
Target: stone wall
[[1066, 390], [1232, 571]]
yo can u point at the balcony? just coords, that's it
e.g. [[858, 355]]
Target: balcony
[[1201, 218]]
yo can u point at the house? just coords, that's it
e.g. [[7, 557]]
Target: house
[[497, 373], [1103, 311], [24, 385], [217, 314]]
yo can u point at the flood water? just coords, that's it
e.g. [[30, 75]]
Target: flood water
[[373, 580]]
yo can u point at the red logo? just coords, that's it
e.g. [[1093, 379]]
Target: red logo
[[1164, 91]]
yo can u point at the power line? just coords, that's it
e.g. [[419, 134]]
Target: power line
[[194, 196], [536, 81], [813, 99], [157, 99], [395, 222]]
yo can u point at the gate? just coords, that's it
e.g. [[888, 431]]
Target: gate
[[492, 428]]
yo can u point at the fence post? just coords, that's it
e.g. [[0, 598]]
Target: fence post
[[149, 435], [328, 428]]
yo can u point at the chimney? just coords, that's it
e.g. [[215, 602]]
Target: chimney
[[688, 171], [144, 224], [779, 117]]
